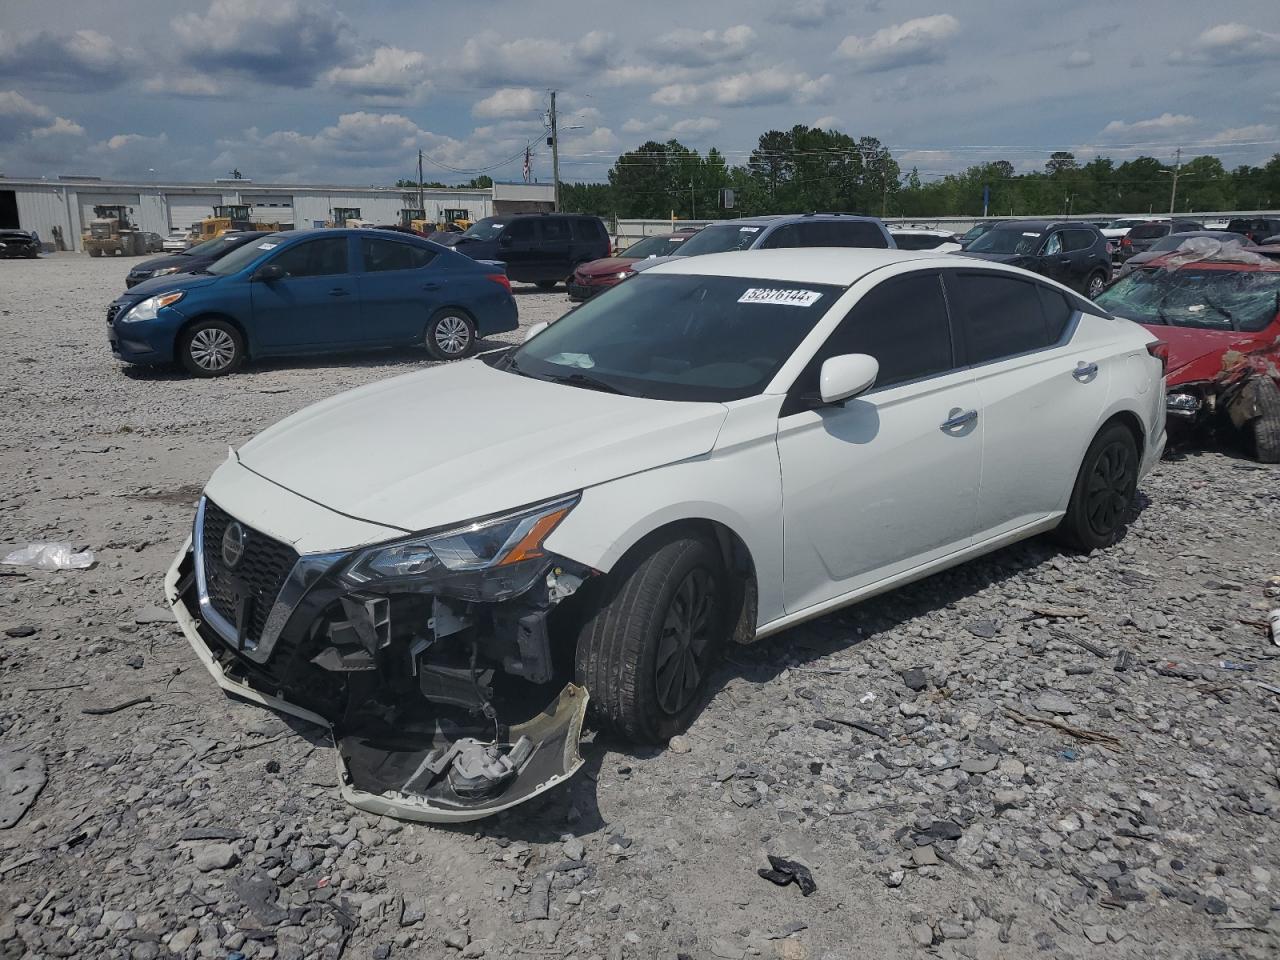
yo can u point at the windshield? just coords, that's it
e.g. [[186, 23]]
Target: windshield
[[1214, 299], [977, 230], [241, 257], [655, 247], [678, 337], [212, 247], [1006, 241], [485, 229], [721, 239]]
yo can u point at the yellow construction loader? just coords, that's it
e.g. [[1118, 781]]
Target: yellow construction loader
[[111, 233], [227, 217]]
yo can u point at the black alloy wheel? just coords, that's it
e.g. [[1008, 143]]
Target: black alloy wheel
[[1111, 487], [687, 635]]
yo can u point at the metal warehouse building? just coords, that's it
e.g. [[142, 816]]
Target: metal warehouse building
[[66, 203]]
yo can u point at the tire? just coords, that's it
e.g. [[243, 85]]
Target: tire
[[651, 638], [451, 335], [1264, 430], [546, 284], [1103, 492], [95, 252], [1096, 283], [211, 348]]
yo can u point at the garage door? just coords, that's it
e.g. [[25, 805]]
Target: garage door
[[186, 209], [271, 207], [90, 200]]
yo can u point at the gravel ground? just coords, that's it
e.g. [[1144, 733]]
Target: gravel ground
[[1037, 754]]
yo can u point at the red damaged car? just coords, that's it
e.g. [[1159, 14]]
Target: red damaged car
[[591, 278], [1217, 308]]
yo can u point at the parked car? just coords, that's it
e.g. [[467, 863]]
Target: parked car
[[917, 238], [190, 261], [18, 243], [977, 230], [664, 471], [1256, 229], [1172, 242], [1072, 252], [1117, 229], [176, 241], [1220, 317], [1140, 239], [541, 248], [153, 242], [779, 232], [599, 275], [313, 291]]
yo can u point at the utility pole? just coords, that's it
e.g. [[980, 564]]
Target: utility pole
[[693, 203], [555, 156], [421, 205], [1173, 194]]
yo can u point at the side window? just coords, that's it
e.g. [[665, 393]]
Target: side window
[[380, 255], [555, 230], [1058, 311], [521, 231], [1078, 239], [787, 235], [315, 258], [856, 233], [999, 316], [902, 323], [586, 230], [1053, 246]]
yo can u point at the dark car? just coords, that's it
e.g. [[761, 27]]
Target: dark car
[[313, 291], [591, 278], [190, 261], [1256, 229], [1172, 242], [977, 230], [541, 248], [1072, 252], [18, 243], [1143, 237]]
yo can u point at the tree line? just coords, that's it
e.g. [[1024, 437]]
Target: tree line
[[807, 168]]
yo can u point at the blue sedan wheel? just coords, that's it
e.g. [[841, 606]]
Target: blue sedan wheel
[[451, 335], [211, 348]]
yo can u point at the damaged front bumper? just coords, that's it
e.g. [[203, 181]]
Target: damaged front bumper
[[440, 711]]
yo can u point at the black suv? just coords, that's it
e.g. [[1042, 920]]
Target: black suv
[[541, 248], [1256, 229], [1072, 252]]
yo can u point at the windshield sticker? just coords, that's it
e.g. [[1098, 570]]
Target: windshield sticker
[[581, 360], [1025, 234], [748, 229], [677, 240], [788, 298], [267, 246], [497, 226]]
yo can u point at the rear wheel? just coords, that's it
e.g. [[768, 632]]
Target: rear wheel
[[95, 252], [1265, 429], [1096, 283], [451, 335], [211, 348], [546, 284], [1104, 491], [652, 638]]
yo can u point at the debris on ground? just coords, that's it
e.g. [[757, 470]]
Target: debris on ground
[[783, 872], [22, 777], [49, 556]]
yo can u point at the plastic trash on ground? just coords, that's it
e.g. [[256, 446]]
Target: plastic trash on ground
[[49, 556]]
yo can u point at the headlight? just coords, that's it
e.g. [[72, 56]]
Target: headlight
[[148, 308], [165, 272], [488, 559], [1182, 404], [624, 274]]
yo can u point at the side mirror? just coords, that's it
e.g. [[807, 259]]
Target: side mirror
[[847, 376], [269, 273], [536, 329]]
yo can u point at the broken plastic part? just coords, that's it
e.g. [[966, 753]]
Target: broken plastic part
[[483, 769], [49, 556]]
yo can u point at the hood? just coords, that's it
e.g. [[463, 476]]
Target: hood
[[463, 440], [602, 268], [172, 281], [1012, 259], [639, 266], [1196, 354], [159, 263]]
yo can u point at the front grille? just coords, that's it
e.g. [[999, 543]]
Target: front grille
[[260, 573]]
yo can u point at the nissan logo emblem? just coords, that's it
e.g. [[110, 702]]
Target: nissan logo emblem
[[233, 540]]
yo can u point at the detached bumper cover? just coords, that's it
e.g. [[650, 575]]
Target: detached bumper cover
[[376, 770]]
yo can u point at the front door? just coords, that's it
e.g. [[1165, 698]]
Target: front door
[[1055, 261], [518, 248], [888, 481], [315, 305]]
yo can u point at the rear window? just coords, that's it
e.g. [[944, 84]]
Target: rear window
[[917, 241], [1000, 316], [1149, 231], [827, 233]]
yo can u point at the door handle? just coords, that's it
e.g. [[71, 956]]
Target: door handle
[[1084, 372], [431, 286], [1065, 261], [960, 420], [338, 292]]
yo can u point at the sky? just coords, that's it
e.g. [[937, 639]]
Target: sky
[[313, 92]]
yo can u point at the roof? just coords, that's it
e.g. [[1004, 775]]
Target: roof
[[836, 265], [780, 217]]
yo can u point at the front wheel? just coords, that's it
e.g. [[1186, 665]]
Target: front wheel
[[1104, 491], [1264, 430], [211, 348], [652, 638], [1094, 286], [451, 335]]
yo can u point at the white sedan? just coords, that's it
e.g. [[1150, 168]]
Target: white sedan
[[445, 565]]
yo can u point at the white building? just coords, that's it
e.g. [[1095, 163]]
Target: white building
[[63, 206]]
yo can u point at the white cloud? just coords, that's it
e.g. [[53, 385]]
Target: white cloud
[[390, 75], [1230, 44], [827, 123], [662, 127], [703, 48], [490, 60], [1078, 59], [74, 61], [804, 14], [922, 40], [644, 74], [1158, 127], [20, 117], [509, 102], [61, 127], [1253, 133], [768, 86]]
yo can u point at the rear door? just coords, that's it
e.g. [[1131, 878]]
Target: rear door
[[315, 305], [519, 248], [399, 290], [887, 481], [1041, 388], [556, 262], [1055, 260]]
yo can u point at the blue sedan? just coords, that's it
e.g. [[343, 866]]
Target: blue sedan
[[313, 291]]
